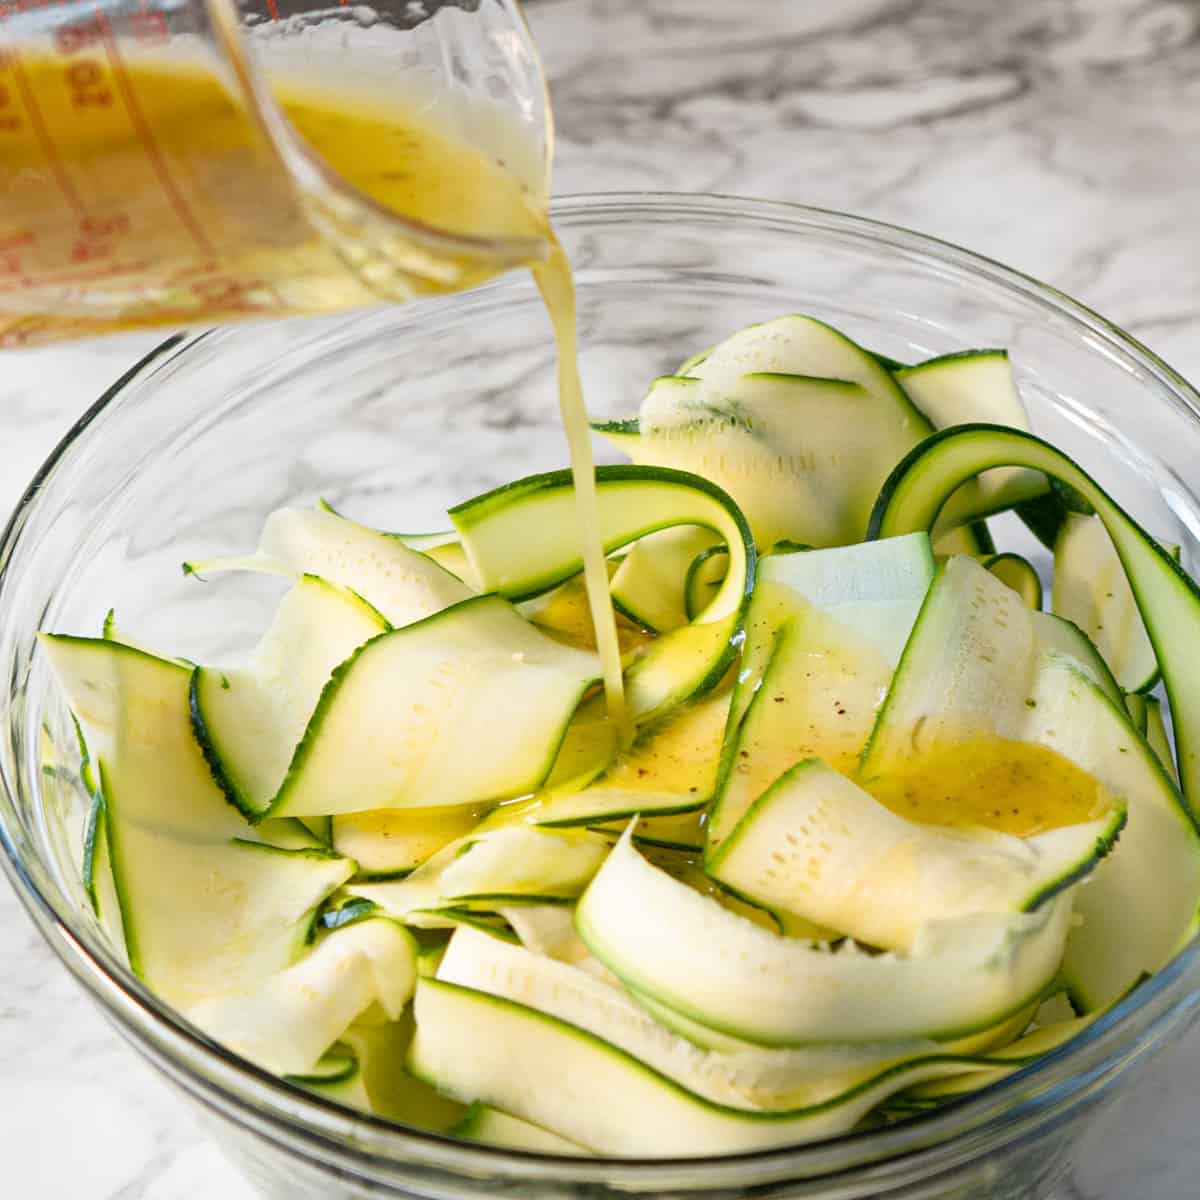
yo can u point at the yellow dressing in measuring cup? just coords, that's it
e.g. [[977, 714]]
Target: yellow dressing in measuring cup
[[163, 203]]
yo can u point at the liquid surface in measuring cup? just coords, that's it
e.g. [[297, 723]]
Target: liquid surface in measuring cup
[[89, 214]]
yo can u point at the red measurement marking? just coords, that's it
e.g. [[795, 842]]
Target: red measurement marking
[[223, 292], [153, 154], [10, 251], [150, 26], [23, 332], [79, 36], [88, 89], [44, 140], [96, 237], [24, 6], [105, 271], [10, 122], [273, 9]]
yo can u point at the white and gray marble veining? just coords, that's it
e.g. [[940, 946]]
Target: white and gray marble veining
[[1061, 136]]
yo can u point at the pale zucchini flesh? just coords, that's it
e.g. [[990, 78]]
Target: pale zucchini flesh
[[402, 583], [801, 345], [289, 1021], [365, 1071], [1158, 738], [965, 539], [1006, 1060], [336, 1077], [495, 1128], [816, 697], [1129, 922], [1057, 635], [98, 879], [778, 443], [203, 918], [1090, 589], [1168, 600], [704, 575], [381, 1048]]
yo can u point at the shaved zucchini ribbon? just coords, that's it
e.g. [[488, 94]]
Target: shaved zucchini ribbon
[[634, 501], [1167, 599]]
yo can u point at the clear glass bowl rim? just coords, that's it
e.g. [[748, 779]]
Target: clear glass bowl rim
[[929, 1144]]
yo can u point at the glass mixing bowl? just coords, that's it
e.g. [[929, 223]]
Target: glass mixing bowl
[[392, 415]]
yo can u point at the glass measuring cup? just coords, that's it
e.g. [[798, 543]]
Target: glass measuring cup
[[167, 162]]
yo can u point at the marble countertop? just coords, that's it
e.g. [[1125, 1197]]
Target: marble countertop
[[1061, 136]]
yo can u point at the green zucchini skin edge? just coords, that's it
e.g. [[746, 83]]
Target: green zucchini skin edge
[[1104, 846], [689, 581], [951, 356], [96, 827], [631, 616], [229, 789], [86, 775], [895, 513], [1044, 517], [629, 426], [346, 1072], [326, 919], [885, 361], [1024, 566], [132, 950], [983, 537]]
